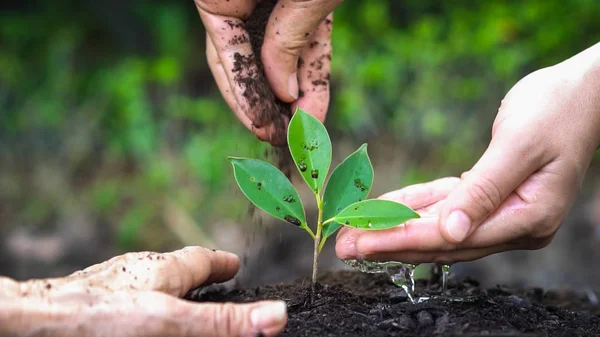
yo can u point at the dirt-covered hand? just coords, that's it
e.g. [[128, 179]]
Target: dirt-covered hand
[[296, 54], [136, 294], [518, 193]]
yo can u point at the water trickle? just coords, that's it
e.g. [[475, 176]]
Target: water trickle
[[302, 166], [401, 274], [445, 273]]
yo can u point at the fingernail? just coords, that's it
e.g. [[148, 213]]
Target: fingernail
[[293, 85], [268, 315], [458, 225]]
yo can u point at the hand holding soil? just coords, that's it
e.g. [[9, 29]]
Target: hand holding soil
[[259, 79], [136, 294], [519, 192]]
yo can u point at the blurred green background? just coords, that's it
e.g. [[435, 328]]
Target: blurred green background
[[112, 130]]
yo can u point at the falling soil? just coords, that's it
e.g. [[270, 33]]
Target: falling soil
[[349, 303]]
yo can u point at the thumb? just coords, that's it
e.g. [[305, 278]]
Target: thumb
[[288, 31], [506, 163], [266, 318]]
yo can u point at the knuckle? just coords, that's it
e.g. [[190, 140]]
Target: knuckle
[[485, 194], [227, 320], [546, 226]]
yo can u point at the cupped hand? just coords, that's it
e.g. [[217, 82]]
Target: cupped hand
[[136, 294], [519, 192], [296, 54]]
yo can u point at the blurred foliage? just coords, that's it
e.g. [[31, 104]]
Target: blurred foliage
[[110, 105]]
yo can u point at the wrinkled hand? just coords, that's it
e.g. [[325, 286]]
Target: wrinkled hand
[[296, 29], [136, 294], [519, 192]]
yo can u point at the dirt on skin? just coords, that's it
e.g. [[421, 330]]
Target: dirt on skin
[[250, 75], [349, 303]]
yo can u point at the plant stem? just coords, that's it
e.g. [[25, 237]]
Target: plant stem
[[317, 241]]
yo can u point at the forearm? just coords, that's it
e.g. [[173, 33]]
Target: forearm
[[583, 69]]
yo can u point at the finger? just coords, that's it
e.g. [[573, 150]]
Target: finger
[[232, 44], [425, 198], [445, 257], [148, 314], [174, 273], [267, 318], [422, 195], [288, 31], [218, 72], [507, 162], [314, 66]]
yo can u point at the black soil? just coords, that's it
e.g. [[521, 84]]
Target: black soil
[[355, 304]]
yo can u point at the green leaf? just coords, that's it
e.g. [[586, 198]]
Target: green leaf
[[269, 190], [310, 147], [375, 214], [350, 182]]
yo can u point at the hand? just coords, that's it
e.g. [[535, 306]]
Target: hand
[[136, 294], [519, 192], [296, 29]]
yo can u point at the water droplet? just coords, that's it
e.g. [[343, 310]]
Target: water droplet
[[370, 225], [293, 220], [252, 179], [302, 166], [314, 174], [289, 199]]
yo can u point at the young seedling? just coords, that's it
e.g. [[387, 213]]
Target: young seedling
[[343, 201]]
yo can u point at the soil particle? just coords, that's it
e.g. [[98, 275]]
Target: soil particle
[[350, 303]]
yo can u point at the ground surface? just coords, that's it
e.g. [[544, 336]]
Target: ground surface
[[356, 304]]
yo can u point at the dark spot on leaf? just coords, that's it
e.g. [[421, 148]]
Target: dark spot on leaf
[[314, 174], [278, 208], [313, 145], [358, 184], [347, 222], [302, 166], [259, 184], [289, 199], [292, 220]]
